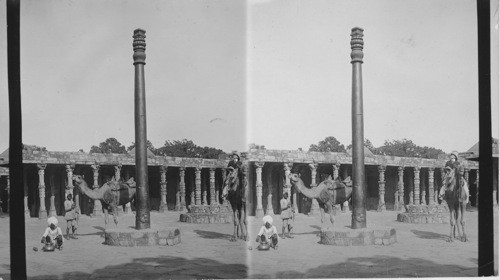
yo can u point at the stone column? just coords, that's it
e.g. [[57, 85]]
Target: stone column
[[432, 201], [192, 195], [52, 209], [259, 212], [128, 208], [163, 188], [224, 175], [401, 188], [42, 213], [314, 204], [287, 186], [213, 194], [204, 193], [70, 188], [336, 168], [118, 169], [8, 194], [416, 182], [27, 213], [197, 183], [381, 188], [97, 203], [477, 188], [182, 187]]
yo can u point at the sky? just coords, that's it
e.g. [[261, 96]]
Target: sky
[[228, 73]]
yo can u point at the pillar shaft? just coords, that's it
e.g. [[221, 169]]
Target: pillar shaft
[[163, 188], [42, 212], [358, 165], [182, 187], [401, 188], [27, 213], [197, 182], [314, 203], [381, 188], [287, 186], [259, 212], [97, 211], [213, 195], [142, 217], [416, 185], [431, 187]]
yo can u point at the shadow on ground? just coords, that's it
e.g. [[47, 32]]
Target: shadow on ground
[[162, 267], [429, 235], [212, 234], [379, 267]]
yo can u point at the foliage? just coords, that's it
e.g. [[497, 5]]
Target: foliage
[[330, 144], [34, 148], [406, 148], [368, 144], [111, 145], [255, 146], [149, 145], [186, 148]]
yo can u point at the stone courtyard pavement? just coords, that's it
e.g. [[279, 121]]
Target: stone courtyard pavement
[[206, 252], [420, 251]]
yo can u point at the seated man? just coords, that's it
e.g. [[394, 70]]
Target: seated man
[[52, 236], [268, 235]]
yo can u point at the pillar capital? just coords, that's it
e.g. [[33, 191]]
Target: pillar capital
[[382, 168], [357, 45], [287, 166], [313, 165], [41, 166], [163, 168], [139, 46], [416, 169], [259, 164], [95, 167]]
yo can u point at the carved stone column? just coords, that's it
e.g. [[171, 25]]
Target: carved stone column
[[8, 194], [287, 186], [197, 183], [97, 211], [70, 188], [401, 188], [204, 192], [477, 188], [336, 168], [416, 182], [269, 208], [42, 212], [431, 187], [52, 208], [314, 204], [213, 194], [224, 175], [259, 212], [182, 187], [118, 169], [163, 188], [381, 188], [27, 213], [128, 208]]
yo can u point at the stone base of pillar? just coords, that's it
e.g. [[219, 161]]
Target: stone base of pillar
[[270, 211], [52, 213], [163, 208], [97, 211], [259, 213], [27, 214], [128, 209], [345, 206], [42, 214]]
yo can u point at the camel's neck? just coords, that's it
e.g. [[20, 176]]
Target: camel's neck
[[300, 187], [87, 191]]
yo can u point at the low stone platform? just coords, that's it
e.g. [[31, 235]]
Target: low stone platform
[[358, 237], [208, 214], [425, 214], [145, 237]]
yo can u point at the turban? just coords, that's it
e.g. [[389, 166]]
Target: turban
[[52, 220], [267, 219]]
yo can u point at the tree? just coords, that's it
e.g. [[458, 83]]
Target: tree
[[368, 144], [34, 148], [406, 148], [186, 148], [330, 144], [149, 145], [255, 146], [111, 145]]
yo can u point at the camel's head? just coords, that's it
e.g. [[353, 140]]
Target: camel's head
[[78, 179], [294, 177]]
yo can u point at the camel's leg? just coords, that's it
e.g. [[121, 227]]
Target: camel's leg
[[106, 217], [452, 225], [115, 214], [243, 223], [331, 212], [461, 219], [236, 223], [322, 212]]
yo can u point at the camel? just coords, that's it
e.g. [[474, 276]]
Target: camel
[[112, 194], [456, 197], [236, 196], [328, 193]]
